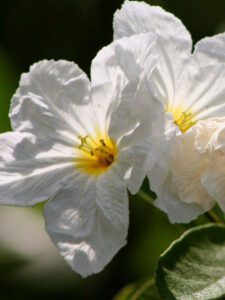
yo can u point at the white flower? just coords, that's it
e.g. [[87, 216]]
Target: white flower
[[211, 140], [191, 86], [197, 173], [80, 145]]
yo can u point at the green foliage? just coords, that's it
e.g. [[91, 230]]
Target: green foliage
[[144, 291], [194, 265], [10, 262], [7, 88]]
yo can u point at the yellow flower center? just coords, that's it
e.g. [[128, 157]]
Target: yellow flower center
[[96, 155], [183, 119]]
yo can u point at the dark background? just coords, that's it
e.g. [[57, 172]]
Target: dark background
[[31, 30]]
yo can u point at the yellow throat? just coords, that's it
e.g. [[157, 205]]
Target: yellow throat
[[96, 154]]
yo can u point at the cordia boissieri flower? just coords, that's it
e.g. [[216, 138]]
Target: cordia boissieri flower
[[81, 145], [191, 86]]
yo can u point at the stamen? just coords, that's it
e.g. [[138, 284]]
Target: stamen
[[85, 146], [102, 142], [182, 118], [97, 155], [184, 121]]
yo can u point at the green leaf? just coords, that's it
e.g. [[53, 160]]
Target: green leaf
[[139, 291], [194, 266], [10, 261], [8, 85]]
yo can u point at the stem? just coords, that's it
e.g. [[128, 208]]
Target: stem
[[144, 196], [213, 217], [142, 288]]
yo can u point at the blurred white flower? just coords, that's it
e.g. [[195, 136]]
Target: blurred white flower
[[191, 86], [81, 145]]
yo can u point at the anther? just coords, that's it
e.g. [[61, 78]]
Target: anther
[[83, 141], [102, 151], [102, 142], [85, 146]]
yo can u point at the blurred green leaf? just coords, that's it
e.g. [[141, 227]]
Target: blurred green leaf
[[142, 291], [194, 266], [10, 262], [7, 88]]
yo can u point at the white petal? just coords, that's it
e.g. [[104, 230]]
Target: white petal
[[28, 176], [139, 151], [50, 100], [124, 118], [210, 134], [137, 106], [136, 101], [138, 17], [182, 194], [137, 125], [88, 222], [111, 197], [205, 85], [174, 43], [214, 178], [124, 57], [158, 172], [177, 210], [134, 52], [214, 182], [104, 67], [116, 66], [136, 157], [107, 80], [188, 168]]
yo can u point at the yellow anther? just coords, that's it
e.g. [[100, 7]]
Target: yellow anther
[[183, 119]]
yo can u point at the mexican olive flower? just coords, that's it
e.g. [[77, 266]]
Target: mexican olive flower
[[81, 145], [191, 86]]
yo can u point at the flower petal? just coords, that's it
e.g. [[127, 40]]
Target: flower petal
[[187, 170], [182, 188], [88, 222], [50, 99], [177, 210], [164, 151], [136, 157], [132, 53], [137, 125], [139, 17], [140, 150], [116, 66], [123, 59], [137, 120], [214, 182], [173, 39], [214, 179], [28, 176], [205, 84], [136, 101], [107, 80]]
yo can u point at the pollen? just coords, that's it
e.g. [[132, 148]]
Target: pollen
[[183, 119], [95, 155]]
